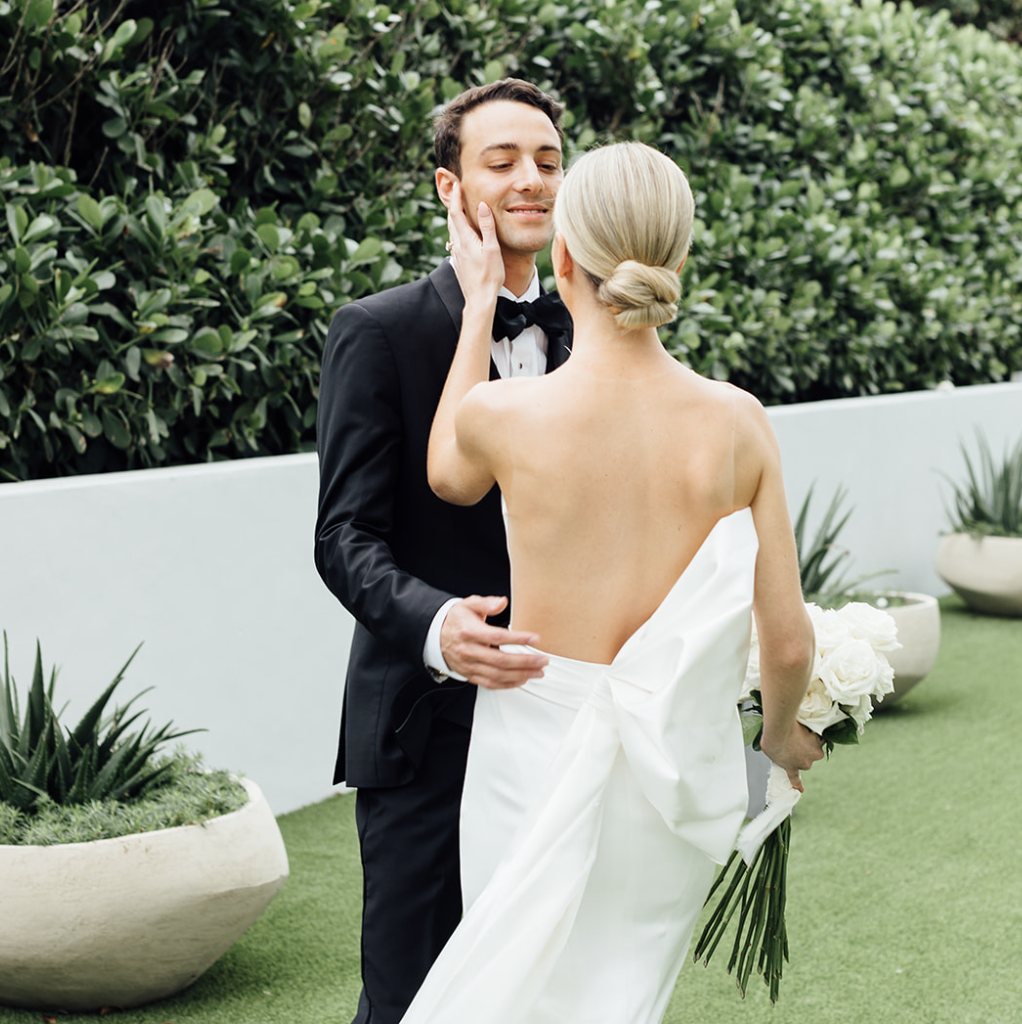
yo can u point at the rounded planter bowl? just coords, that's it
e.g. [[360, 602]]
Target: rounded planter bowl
[[120, 922], [986, 572], [917, 617]]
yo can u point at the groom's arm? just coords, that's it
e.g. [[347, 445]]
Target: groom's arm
[[359, 438], [359, 433]]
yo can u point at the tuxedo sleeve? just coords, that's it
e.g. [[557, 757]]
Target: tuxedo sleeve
[[359, 436]]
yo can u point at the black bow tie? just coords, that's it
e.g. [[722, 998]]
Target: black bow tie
[[547, 313]]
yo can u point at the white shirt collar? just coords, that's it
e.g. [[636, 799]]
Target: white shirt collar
[[529, 295]]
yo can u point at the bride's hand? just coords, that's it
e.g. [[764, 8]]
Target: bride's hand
[[477, 259], [800, 748]]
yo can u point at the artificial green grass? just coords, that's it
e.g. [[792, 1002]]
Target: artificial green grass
[[904, 891]]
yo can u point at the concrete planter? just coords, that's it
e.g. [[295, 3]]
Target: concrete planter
[[986, 572], [120, 922], [918, 621]]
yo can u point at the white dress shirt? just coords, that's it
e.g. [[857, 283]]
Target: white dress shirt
[[524, 356]]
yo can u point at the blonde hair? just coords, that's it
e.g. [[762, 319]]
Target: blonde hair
[[625, 212]]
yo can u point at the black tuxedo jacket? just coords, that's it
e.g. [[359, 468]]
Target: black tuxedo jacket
[[386, 546]]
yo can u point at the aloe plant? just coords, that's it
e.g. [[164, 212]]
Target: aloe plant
[[989, 502], [99, 759], [821, 581]]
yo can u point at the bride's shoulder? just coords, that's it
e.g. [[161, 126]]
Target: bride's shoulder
[[727, 396], [492, 401]]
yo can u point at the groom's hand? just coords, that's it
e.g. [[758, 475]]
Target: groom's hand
[[470, 646]]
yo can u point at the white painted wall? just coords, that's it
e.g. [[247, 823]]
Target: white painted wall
[[888, 451], [212, 567]]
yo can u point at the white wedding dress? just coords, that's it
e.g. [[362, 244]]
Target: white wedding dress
[[597, 800]]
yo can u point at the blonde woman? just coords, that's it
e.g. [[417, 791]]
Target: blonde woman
[[646, 520]]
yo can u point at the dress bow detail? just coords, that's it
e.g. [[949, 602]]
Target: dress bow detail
[[665, 712]]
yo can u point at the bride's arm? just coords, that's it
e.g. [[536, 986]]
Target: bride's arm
[[785, 631], [459, 461]]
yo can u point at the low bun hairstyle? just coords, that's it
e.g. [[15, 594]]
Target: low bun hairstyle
[[625, 212]]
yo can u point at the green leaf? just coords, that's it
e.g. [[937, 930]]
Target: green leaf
[[125, 33], [90, 211], [207, 341], [115, 429], [40, 226], [108, 385], [133, 361], [269, 236], [17, 221], [367, 250], [156, 215], [77, 439], [277, 299], [285, 267], [240, 260], [305, 115], [202, 201], [900, 175], [38, 13], [90, 423], [115, 127], [170, 335]]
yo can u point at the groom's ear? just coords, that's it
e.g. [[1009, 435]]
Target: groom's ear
[[445, 181]]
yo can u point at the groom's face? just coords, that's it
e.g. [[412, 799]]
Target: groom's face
[[510, 160]]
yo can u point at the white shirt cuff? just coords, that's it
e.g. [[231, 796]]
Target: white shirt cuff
[[432, 654]]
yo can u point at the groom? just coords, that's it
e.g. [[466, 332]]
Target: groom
[[422, 577]]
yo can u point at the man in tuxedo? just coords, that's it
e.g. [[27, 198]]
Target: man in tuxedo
[[422, 577]]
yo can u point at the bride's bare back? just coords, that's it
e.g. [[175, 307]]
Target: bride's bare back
[[611, 486]]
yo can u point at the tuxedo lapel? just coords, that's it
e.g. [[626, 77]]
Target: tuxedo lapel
[[445, 281]]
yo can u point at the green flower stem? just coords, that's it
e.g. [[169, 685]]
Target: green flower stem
[[759, 894]]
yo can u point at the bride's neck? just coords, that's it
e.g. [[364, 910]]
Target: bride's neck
[[605, 349]]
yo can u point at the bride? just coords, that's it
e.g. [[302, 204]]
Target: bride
[[646, 521]]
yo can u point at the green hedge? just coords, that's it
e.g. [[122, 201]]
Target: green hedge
[[192, 187]]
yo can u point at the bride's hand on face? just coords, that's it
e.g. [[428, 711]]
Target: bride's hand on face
[[477, 259]]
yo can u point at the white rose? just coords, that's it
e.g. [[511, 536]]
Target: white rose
[[851, 670], [886, 678], [830, 629], [871, 624], [861, 712], [818, 710]]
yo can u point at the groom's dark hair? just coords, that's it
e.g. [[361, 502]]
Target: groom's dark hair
[[447, 127]]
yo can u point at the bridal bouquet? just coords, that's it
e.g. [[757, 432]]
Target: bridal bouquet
[[850, 673]]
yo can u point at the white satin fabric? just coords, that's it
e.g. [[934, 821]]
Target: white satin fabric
[[597, 800]]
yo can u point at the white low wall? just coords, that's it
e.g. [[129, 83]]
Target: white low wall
[[212, 567], [888, 452]]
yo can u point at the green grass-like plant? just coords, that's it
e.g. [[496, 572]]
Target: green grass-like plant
[[989, 502], [99, 759], [188, 794], [820, 558]]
